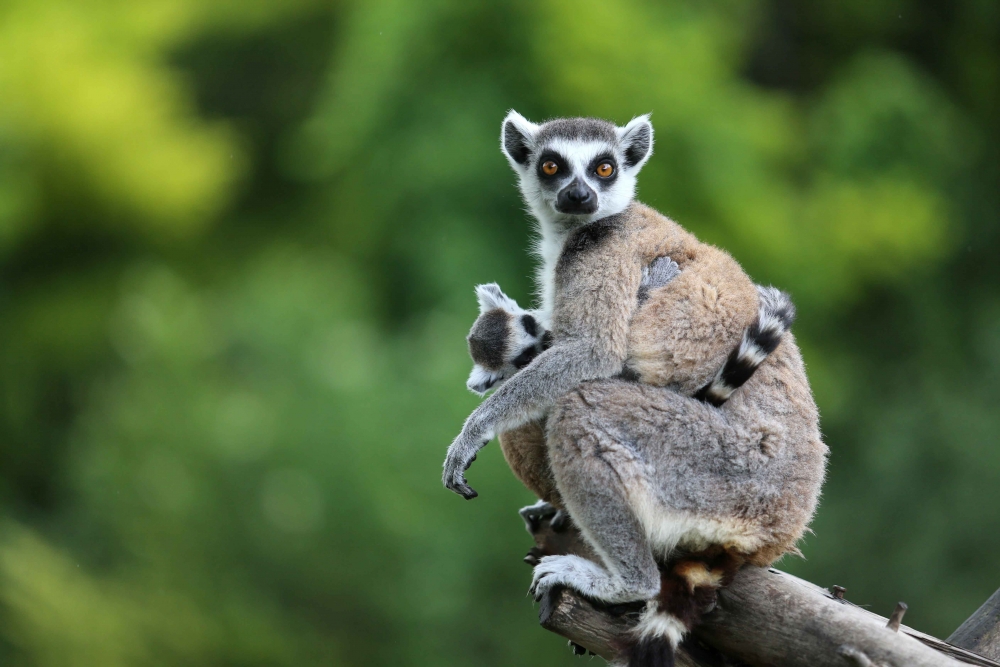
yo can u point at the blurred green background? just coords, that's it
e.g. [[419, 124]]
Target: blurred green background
[[238, 242]]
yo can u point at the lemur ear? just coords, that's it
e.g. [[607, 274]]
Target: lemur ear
[[637, 141], [490, 296], [517, 138]]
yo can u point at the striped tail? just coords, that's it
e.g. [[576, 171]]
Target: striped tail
[[688, 588], [774, 317]]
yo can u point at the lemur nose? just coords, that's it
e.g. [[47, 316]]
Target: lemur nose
[[577, 198], [579, 194]]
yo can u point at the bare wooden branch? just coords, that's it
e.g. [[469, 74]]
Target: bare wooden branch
[[897, 616], [599, 630], [765, 617], [981, 631]]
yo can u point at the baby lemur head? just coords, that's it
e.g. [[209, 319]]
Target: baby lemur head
[[576, 170]]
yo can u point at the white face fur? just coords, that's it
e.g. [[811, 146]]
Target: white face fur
[[573, 171], [563, 173]]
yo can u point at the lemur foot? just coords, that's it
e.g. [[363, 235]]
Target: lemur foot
[[583, 576], [533, 515]]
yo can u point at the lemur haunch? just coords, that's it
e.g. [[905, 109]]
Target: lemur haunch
[[672, 485]]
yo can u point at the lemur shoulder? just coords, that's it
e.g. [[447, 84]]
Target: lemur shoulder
[[654, 469]]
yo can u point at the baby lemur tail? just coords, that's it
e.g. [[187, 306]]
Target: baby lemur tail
[[774, 317], [688, 587]]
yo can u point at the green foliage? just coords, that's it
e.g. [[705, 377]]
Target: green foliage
[[237, 249]]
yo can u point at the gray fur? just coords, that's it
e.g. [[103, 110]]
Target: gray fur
[[527, 395], [757, 458], [497, 336], [778, 306], [578, 129], [488, 340]]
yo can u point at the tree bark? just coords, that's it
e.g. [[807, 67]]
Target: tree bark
[[981, 631], [765, 617]]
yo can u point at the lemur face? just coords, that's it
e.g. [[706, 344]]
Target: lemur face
[[575, 170]]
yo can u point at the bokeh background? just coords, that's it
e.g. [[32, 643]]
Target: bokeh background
[[238, 241]]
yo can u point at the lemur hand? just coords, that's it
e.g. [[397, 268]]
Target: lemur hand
[[460, 456], [503, 340], [659, 272]]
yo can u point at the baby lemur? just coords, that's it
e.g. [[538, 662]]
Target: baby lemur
[[624, 389]]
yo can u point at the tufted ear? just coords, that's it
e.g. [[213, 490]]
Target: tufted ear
[[517, 138], [637, 141], [490, 296]]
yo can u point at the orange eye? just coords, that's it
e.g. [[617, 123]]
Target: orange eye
[[605, 169], [549, 168]]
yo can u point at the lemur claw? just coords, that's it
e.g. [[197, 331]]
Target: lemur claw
[[547, 575], [462, 488], [460, 456], [585, 577], [533, 556]]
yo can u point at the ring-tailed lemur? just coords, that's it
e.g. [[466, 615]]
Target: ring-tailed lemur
[[653, 476]]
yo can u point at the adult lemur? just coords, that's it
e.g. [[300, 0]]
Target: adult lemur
[[623, 419]]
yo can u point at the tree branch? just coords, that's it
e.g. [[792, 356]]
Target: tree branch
[[765, 617], [981, 631]]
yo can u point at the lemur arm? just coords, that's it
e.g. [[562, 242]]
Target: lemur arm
[[502, 337], [524, 397], [598, 287], [505, 338]]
